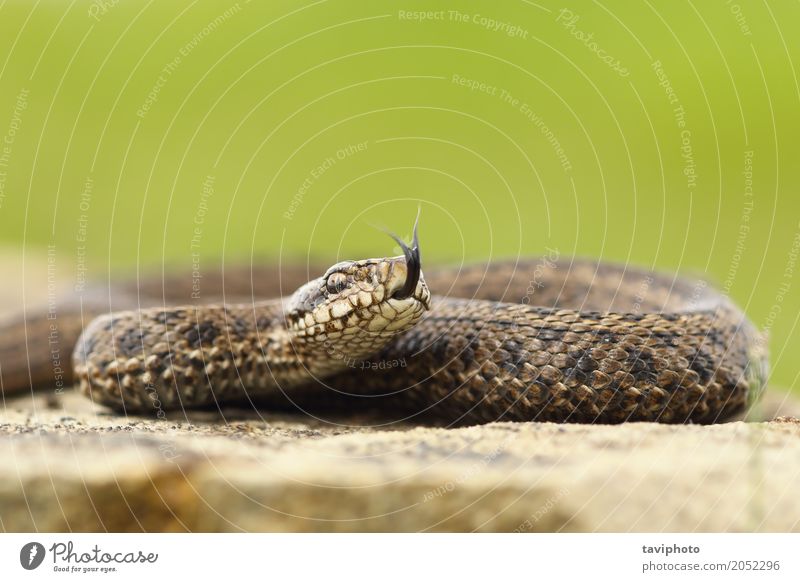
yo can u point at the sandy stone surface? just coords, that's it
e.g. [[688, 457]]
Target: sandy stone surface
[[68, 465]]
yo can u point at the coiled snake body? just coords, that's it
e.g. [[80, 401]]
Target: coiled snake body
[[536, 339]]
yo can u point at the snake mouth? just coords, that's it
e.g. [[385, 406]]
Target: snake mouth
[[374, 320], [413, 264]]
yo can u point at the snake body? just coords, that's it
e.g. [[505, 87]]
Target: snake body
[[537, 339], [582, 341], [530, 340]]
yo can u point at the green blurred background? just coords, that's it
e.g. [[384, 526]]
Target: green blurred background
[[659, 133]]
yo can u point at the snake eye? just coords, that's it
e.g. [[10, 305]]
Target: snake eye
[[336, 283]]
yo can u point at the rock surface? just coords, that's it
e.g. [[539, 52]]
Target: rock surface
[[67, 465]]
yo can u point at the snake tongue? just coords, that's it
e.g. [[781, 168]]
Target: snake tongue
[[413, 264]]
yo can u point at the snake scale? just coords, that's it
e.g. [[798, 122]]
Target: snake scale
[[538, 339]]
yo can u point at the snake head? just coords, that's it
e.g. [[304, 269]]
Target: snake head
[[356, 307]]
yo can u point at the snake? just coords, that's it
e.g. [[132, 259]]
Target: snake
[[527, 339]]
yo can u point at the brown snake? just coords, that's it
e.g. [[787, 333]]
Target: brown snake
[[537, 339]]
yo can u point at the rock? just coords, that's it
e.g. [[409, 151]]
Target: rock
[[67, 465]]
